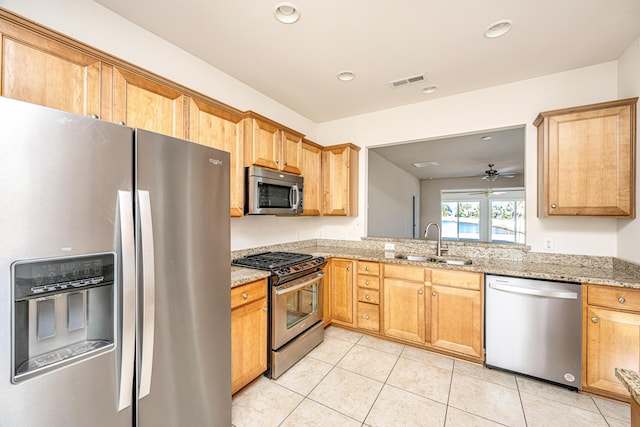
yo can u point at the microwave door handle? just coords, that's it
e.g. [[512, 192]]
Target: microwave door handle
[[296, 198]]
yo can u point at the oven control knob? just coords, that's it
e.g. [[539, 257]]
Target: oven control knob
[[320, 260]]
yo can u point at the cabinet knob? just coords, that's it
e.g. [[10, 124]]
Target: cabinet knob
[[277, 161], [553, 206], [594, 319], [433, 293], [366, 268], [348, 268], [265, 308], [245, 295], [366, 296], [420, 292], [285, 163], [366, 317], [366, 282], [122, 123], [621, 300], [94, 116]]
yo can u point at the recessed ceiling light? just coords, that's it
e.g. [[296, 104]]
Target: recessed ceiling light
[[346, 76], [287, 13], [486, 138], [498, 29], [430, 89]]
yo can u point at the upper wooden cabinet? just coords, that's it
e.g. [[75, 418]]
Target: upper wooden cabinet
[[586, 160], [340, 180], [311, 168], [147, 104], [270, 145], [221, 127], [42, 71]]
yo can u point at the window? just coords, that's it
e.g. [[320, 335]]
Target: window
[[467, 215]]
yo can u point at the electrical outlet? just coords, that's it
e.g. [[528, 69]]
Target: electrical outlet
[[389, 247], [547, 244]]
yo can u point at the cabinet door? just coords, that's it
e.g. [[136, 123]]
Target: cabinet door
[[456, 320], [404, 310], [613, 341], [143, 103], [222, 129], [340, 180], [342, 290], [262, 144], [291, 157], [248, 343], [51, 74], [311, 171], [588, 160]]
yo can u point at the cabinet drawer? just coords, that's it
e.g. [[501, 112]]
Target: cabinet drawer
[[407, 272], [456, 279], [368, 295], [370, 282], [247, 293], [368, 316], [366, 267], [618, 298]]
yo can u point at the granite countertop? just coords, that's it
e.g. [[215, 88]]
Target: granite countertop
[[601, 275], [631, 380]]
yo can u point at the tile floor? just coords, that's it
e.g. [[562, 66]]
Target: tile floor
[[357, 380]]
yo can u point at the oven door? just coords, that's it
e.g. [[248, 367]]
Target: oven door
[[295, 307]]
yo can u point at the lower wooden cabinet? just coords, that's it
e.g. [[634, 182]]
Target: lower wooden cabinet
[[456, 320], [368, 296], [342, 291], [248, 333], [405, 303], [611, 337]]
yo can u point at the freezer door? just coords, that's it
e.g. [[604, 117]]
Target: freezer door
[[183, 246], [60, 176]]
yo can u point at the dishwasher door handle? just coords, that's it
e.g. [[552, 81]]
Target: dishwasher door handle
[[535, 292]]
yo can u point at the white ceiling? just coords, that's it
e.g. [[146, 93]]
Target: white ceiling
[[381, 41], [461, 155]]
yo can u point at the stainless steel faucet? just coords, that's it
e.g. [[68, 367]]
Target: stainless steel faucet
[[426, 231]]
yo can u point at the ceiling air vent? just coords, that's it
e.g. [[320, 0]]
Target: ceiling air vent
[[408, 80]]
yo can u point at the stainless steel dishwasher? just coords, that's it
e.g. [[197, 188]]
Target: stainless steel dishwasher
[[534, 327]]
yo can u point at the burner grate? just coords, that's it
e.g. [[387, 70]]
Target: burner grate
[[271, 260]]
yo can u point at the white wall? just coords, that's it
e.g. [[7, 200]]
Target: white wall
[[629, 87], [390, 211], [502, 106]]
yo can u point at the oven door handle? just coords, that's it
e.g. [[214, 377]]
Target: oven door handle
[[299, 284]]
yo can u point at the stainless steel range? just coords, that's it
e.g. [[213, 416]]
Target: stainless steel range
[[295, 305]]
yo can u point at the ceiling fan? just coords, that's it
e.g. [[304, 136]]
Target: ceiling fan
[[491, 175]]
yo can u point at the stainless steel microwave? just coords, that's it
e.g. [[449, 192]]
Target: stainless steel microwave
[[271, 192]]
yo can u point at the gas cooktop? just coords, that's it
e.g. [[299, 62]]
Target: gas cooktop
[[271, 260]]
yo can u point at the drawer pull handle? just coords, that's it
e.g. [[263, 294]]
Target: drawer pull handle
[[366, 317], [245, 295], [366, 296], [366, 268], [594, 319], [366, 282], [621, 300]]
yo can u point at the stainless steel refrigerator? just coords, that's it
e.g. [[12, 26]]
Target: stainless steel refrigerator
[[114, 275]]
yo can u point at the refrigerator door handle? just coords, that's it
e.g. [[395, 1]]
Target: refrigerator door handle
[[148, 293], [128, 268]]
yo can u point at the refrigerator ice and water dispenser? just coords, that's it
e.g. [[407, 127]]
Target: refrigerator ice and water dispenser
[[63, 310]]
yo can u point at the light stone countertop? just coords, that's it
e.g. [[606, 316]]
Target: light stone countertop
[[596, 274], [631, 380]]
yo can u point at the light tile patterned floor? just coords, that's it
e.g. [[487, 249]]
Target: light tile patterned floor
[[354, 380]]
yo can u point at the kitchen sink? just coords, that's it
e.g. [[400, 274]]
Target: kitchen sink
[[450, 261]]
